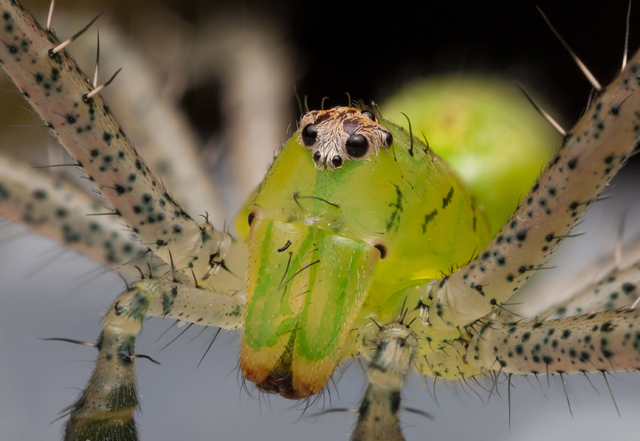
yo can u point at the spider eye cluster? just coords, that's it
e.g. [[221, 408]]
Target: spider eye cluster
[[342, 134]]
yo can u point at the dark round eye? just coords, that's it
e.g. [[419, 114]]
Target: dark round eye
[[357, 146], [336, 161], [369, 115], [309, 134], [317, 156], [389, 139], [251, 218]]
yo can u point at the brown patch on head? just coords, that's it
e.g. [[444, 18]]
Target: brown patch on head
[[351, 124], [323, 116], [341, 134]]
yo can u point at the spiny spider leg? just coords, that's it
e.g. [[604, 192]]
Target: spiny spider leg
[[583, 165], [618, 289], [207, 266], [601, 342], [58, 90], [379, 411], [106, 407], [55, 207], [161, 132]]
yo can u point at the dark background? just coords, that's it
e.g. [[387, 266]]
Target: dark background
[[370, 51]]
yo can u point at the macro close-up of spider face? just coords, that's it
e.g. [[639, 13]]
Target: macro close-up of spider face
[[369, 260]]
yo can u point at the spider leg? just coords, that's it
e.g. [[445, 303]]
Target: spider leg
[[616, 290], [55, 207], [106, 407], [597, 342], [583, 165], [379, 411], [162, 135], [600, 342], [59, 92]]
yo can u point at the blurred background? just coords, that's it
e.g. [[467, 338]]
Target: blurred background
[[229, 67]]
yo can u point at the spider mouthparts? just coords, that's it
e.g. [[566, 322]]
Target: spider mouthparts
[[279, 385]]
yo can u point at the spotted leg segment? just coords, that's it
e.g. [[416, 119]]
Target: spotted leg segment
[[158, 126], [56, 208], [105, 409], [378, 417], [583, 165], [58, 91], [600, 342], [616, 290]]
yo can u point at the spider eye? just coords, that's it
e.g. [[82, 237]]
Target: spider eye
[[309, 134], [357, 146], [317, 156], [389, 139], [251, 218], [336, 161], [369, 115], [336, 107]]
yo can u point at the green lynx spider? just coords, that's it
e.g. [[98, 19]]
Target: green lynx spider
[[521, 238]]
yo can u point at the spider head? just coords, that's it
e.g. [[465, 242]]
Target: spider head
[[342, 134], [330, 245]]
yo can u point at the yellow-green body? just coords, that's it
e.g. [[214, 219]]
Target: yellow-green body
[[316, 244]]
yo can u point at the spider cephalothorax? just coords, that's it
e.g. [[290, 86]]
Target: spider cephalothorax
[[342, 134], [328, 245]]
